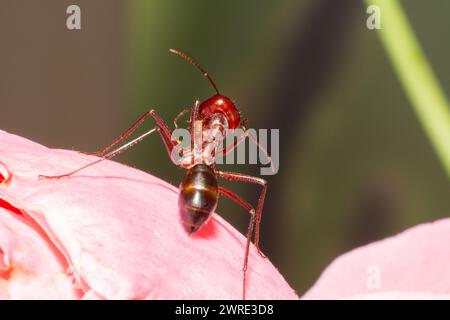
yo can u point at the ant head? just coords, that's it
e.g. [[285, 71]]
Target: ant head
[[222, 105], [217, 104]]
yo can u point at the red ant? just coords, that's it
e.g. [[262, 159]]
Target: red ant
[[199, 190]]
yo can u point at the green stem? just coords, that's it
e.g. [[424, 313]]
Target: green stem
[[416, 76]]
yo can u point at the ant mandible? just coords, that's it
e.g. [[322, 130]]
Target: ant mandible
[[199, 190]]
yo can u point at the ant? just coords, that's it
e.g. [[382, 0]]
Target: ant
[[199, 189]]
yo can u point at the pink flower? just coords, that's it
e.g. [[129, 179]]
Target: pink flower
[[412, 265], [112, 232]]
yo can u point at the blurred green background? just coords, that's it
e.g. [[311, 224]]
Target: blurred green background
[[355, 164]]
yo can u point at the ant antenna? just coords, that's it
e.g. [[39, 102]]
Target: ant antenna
[[196, 66]]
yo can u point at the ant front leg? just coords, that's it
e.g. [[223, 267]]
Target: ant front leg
[[161, 127], [246, 134], [234, 176], [179, 115]]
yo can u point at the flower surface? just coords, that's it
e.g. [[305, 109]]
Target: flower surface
[[414, 264], [112, 232]]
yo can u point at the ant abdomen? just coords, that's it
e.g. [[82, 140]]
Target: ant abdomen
[[199, 194]]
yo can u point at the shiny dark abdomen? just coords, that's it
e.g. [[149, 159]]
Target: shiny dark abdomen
[[198, 197]]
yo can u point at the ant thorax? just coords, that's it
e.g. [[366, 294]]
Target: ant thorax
[[207, 137]]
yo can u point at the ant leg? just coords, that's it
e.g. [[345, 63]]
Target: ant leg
[[182, 113], [246, 134], [234, 176], [193, 118], [164, 132], [110, 155], [161, 128], [231, 195], [194, 114], [264, 151], [251, 225], [227, 149]]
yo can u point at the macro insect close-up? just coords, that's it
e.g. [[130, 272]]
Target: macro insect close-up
[[199, 190], [224, 156]]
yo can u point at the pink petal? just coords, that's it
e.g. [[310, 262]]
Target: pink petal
[[118, 228], [29, 267], [412, 265], [401, 295]]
